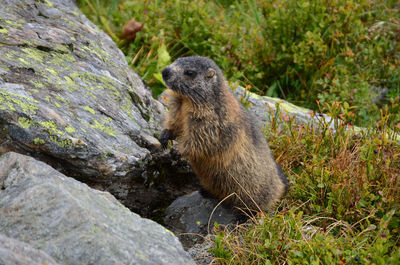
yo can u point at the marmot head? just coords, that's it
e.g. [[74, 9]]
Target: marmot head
[[198, 78]]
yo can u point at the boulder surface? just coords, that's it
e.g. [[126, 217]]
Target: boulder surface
[[75, 224], [14, 252], [69, 98], [66, 91]]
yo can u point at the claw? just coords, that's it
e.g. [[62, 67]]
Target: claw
[[164, 137]]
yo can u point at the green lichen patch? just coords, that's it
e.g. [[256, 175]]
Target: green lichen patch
[[107, 129], [99, 126], [54, 134], [4, 68], [55, 60], [61, 99], [107, 154], [34, 54], [48, 3], [71, 85], [106, 119], [99, 81], [76, 13], [65, 143], [91, 94], [126, 107], [51, 71], [97, 50], [29, 43], [24, 62], [69, 81], [13, 23], [75, 75], [70, 129], [12, 102], [51, 127], [87, 108], [38, 141], [24, 122], [61, 56], [96, 229]]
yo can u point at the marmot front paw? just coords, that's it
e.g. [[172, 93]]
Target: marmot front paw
[[165, 136]]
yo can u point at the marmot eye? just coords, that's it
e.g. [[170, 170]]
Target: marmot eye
[[190, 73]]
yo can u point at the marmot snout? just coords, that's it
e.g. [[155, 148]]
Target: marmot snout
[[221, 140]]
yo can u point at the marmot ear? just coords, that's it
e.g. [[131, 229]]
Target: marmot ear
[[210, 73]]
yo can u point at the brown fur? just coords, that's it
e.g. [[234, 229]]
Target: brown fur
[[225, 148]]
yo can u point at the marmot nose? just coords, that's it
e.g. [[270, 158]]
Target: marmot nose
[[166, 73]]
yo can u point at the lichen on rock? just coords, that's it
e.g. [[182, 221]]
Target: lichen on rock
[[62, 85]]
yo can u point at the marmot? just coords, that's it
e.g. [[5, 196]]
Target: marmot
[[221, 140]]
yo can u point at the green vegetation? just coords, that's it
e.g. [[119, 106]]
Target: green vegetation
[[302, 51], [336, 57], [343, 206]]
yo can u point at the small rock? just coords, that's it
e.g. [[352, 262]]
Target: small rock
[[192, 217]]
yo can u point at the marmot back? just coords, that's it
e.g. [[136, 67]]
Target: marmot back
[[222, 141]]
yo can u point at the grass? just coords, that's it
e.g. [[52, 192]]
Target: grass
[[337, 57], [343, 205]]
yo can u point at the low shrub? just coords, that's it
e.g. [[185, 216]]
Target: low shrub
[[303, 51]]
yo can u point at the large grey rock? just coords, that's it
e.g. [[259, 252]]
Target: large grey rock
[[75, 224], [263, 107], [67, 95], [14, 252]]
